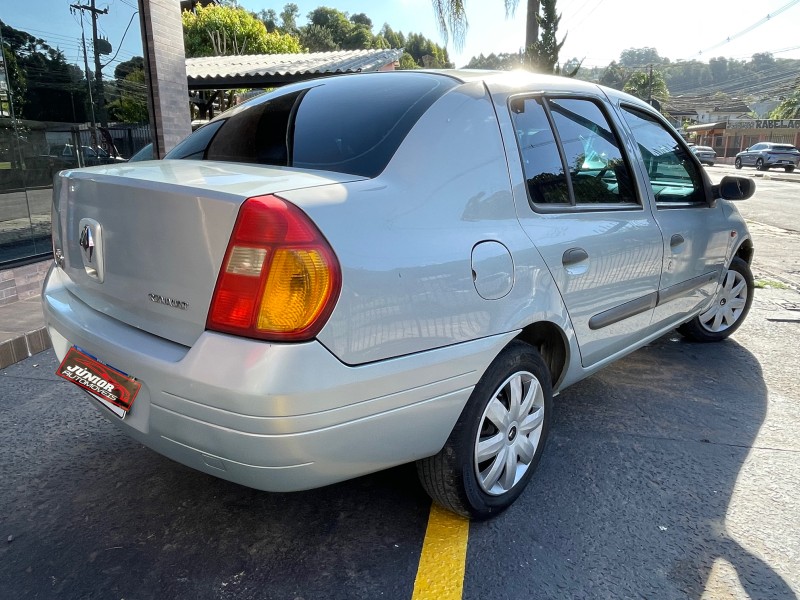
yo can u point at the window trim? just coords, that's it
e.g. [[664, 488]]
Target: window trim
[[574, 207]]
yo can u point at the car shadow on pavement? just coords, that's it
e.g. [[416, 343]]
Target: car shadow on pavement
[[632, 495]]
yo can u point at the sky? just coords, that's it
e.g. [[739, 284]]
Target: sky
[[597, 31]]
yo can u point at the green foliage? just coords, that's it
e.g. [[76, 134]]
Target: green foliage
[[615, 76], [407, 62], [640, 57], [317, 39], [131, 106], [43, 86], [426, 53], [497, 62], [542, 55], [222, 30], [789, 108], [642, 85], [127, 67]]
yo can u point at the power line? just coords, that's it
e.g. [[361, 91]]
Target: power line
[[747, 30]]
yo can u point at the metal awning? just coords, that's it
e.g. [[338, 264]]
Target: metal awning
[[708, 126], [273, 70]]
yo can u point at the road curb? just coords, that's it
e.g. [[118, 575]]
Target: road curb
[[24, 346]]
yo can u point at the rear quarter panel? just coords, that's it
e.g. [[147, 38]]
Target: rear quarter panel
[[405, 240]]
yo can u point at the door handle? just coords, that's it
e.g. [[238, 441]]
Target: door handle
[[574, 255], [676, 240]]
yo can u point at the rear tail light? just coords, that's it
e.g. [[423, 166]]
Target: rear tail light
[[280, 278]]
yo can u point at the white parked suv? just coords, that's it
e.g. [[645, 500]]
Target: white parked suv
[[362, 271]]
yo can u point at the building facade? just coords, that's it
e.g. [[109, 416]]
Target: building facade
[[81, 84]]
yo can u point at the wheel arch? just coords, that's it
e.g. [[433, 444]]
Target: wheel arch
[[745, 251], [551, 342]]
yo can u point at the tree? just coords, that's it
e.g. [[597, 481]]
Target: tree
[[43, 86], [497, 62], [615, 76], [641, 57], [131, 106], [789, 108], [647, 85], [541, 52], [334, 21], [127, 67], [317, 39], [361, 19], [452, 19], [223, 30]]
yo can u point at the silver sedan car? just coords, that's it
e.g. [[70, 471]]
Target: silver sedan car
[[349, 274]]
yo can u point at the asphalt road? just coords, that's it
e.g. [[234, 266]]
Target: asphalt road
[[671, 474]]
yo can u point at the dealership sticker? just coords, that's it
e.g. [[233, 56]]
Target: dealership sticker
[[102, 381]]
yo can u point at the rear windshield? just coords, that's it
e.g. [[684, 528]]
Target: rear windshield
[[349, 124], [782, 147]]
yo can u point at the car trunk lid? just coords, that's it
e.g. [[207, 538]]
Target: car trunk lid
[[144, 244]]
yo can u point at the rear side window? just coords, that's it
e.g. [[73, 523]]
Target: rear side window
[[352, 124], [570, 154]]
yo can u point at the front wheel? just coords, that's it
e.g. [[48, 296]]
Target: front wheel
[[497, 441], [737, 164], [729, 309], [759, 165]]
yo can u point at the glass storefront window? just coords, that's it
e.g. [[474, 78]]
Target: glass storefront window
[[56, 112]]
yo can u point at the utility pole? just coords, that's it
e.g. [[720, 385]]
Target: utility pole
[[98, 68]]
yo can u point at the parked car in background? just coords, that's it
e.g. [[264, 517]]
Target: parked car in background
[[766, 155], [144, 153], [705, 154], [89, 156], [348, 274]]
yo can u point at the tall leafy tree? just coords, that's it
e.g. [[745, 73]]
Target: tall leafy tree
[[227, 30], [647, 85]]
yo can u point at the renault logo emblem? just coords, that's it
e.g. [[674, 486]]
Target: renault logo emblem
[[87, 243], [90, 240]]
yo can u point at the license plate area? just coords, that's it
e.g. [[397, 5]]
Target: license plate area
[[112, 387]]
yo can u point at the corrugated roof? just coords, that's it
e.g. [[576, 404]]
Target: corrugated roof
[[270, 70]]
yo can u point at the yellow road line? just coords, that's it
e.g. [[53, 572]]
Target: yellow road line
[[440, 575]]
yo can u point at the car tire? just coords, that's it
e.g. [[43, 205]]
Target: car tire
[[729, 309], [788, 169], [737, 164], [760, 165], [506, 419]]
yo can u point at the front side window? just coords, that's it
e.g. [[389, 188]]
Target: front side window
[[559, 136], [673, 175]]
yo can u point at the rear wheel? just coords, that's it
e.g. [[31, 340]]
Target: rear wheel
[[498, 440], [760, 165], [788, 169], [730, 307], [737, 163]]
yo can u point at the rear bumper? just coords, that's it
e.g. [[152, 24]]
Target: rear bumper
[[277, 417]]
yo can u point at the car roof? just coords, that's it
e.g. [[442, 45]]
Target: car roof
[[509, 82]]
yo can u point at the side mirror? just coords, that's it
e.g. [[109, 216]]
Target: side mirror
[[735, 188]]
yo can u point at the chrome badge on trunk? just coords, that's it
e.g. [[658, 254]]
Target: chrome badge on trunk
[[91, 243]]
